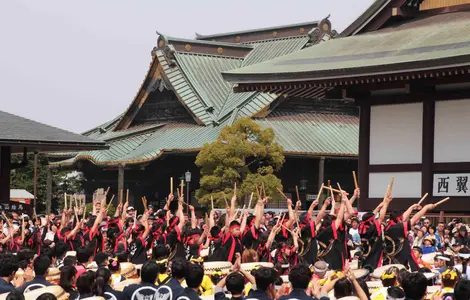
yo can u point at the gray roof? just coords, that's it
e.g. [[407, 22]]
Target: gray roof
[[420, 44], [20, 132]]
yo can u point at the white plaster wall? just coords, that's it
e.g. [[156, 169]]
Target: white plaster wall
[[452, 131], [396, 134], [406, 185]]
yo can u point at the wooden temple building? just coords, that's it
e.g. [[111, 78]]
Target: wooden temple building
[[22, 136], [184, 102], [406, 65]]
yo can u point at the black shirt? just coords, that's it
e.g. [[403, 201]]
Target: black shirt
[[190, 294], [298, 294], [137, 252], [173, 288], [143, 290], [36, 283], [257, 294], [110, 294], [5, 287]]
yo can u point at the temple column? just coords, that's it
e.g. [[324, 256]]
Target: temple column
[[120, 183], [321, 173], [49, 191]]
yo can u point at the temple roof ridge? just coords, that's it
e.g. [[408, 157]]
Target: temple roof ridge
[[248, 31]]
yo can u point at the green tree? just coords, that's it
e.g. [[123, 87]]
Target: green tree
[[243, 153]]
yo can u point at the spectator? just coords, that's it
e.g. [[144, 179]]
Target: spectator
[[193, 280], [8, 267], [41, 267], [103, 287], [68, 279], [147, 288], [415, 286]]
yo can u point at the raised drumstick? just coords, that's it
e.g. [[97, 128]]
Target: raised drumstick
[[297, 192], [279, 190], [422, 199], [442, 201], [355, 180]]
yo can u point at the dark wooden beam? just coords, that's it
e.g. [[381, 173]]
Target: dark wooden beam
[[5, 162], [429, 106], [364, 152], [451, 167], [393, 168]]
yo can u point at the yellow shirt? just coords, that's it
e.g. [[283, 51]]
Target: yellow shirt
[[206, 286], [248, 287], [380, 294], [162, 278]]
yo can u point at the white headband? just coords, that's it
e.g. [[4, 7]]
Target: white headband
[[320, 270], [443, 258]]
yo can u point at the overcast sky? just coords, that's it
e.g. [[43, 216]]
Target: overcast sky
[[77, 64]]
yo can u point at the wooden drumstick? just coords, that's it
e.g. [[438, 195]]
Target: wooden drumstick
[[297, 192], [212, 202], [279, 190], [319, 192], [422, 199], [171, 185], [249, 203], [442, 201], [355, 180]]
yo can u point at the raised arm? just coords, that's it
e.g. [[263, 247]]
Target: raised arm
[[340, 216], [311, 208], [421, 213], [181, 217], [407, 213], [356, 195], [167, 204], [348, 211], [384, 207], [193, 217], [259, 213], [291, 220], [124, 213], [144, 222], [378, 208], [211, 219], [322, 211]]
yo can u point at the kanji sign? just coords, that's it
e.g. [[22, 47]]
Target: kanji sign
[[451, 184]]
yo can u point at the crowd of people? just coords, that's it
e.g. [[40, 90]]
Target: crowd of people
[[164, 254]]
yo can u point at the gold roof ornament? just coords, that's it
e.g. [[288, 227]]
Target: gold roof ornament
[[275, 34], [238, 39], [220, 50], [187, 47], [302, 30], [161, 43]]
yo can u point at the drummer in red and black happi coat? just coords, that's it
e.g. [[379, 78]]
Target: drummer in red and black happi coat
[[332, 239], [397, 230]]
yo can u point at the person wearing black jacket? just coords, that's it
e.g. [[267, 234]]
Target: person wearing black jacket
[[265, 278], [103, 288], [193, 280], [41, 266], [179, 270], [146, 289], [299, 277]]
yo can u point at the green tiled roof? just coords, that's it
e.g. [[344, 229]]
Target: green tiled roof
[[141, 148], [185, 90], [204, 73], [314, 133], [252, 102], [196, 80], [298, 133], [420, 44]]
